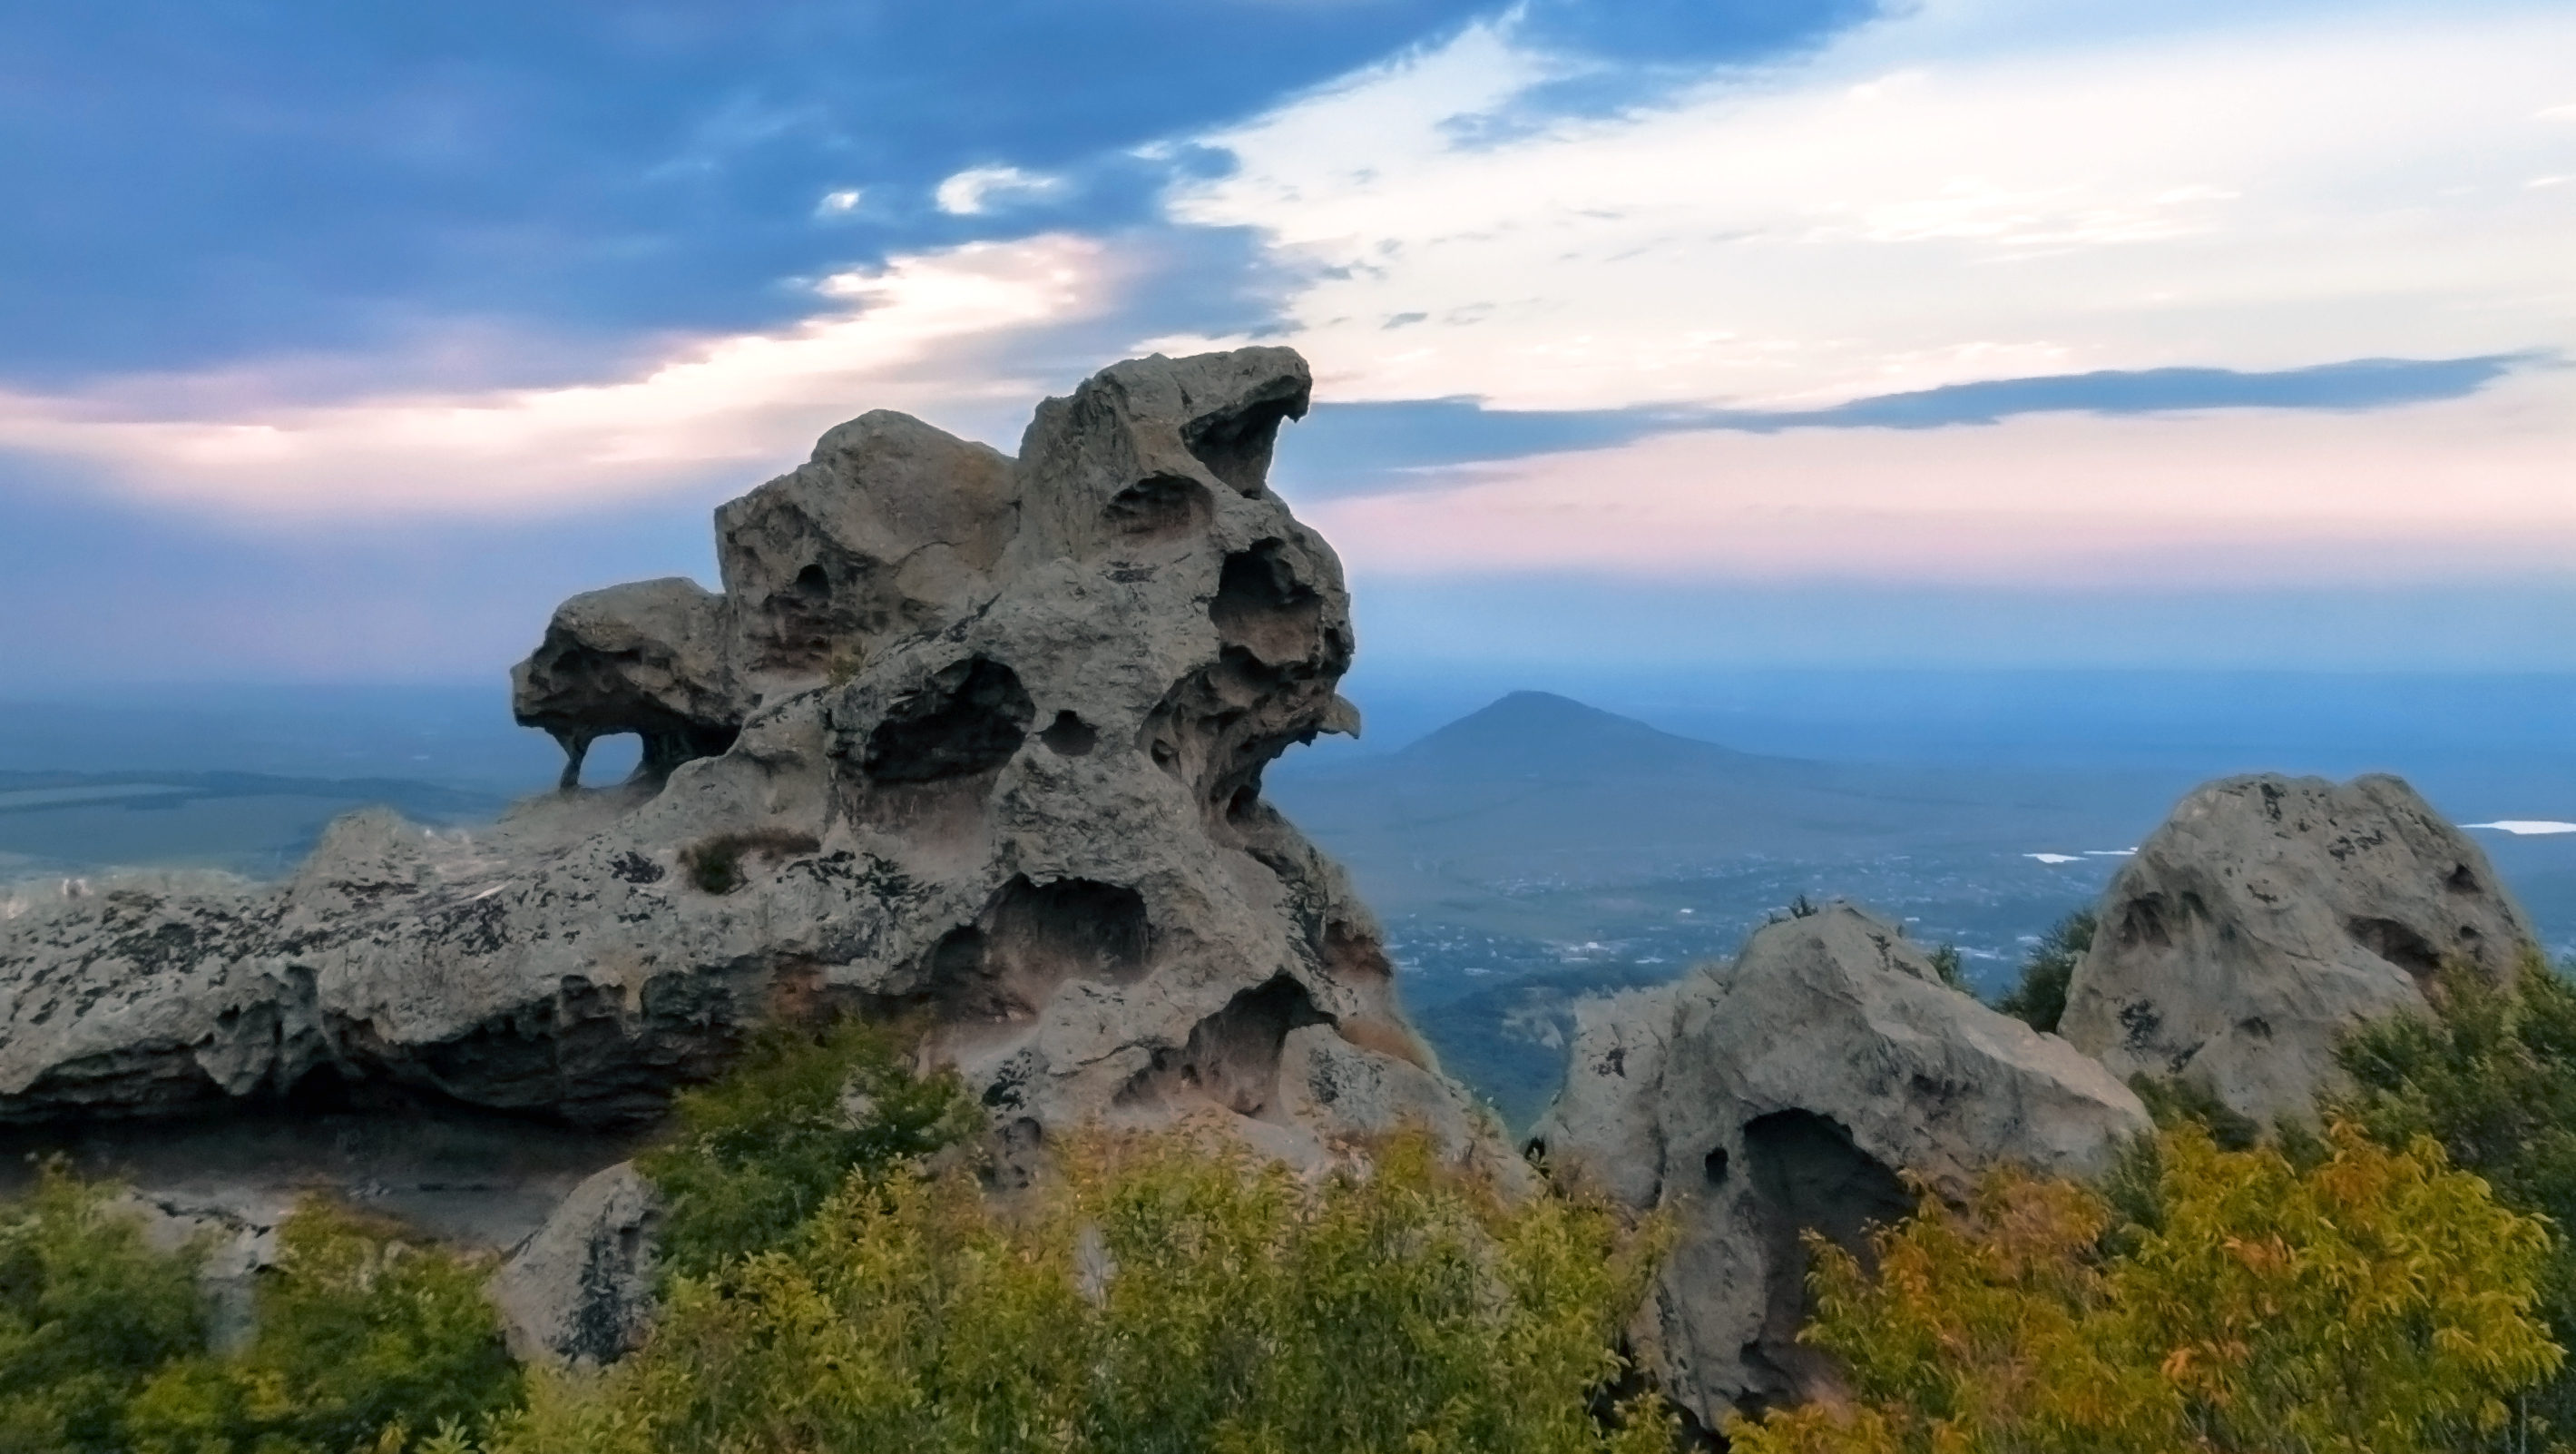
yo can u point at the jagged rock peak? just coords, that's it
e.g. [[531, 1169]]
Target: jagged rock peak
[[2269, 915], [967, 738], [1785, 1093]]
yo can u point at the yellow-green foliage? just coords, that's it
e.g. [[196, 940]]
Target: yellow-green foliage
[[2492, 1077], [361, 1339], [2376, 1301], [87, 1313], [1153, 1297], [754, 1155]]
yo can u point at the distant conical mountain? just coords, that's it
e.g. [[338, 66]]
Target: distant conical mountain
[[1540, 734], [1536, 787]]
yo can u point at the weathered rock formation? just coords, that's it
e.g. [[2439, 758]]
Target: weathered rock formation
[[2269, 915], [965, 737], [1785, 1093]]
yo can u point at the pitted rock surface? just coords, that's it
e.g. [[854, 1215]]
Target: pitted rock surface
[[2267, 917], [1786, 1093], [972, 738]]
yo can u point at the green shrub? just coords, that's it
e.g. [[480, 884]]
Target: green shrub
[[2039, 1001], [362, 1338], [1953, 969], [88, 1312], [715, 864], [755, 1154], [2173, 1101], [2492, 1077], [2378, 1300], [1154, 1298]]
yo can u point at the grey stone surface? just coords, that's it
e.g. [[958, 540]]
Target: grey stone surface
[[1016, 788], [2267, 917], [579, 1293], [1787, 1092]]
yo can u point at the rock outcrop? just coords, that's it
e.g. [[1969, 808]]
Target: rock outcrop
[[580, 1293], [1785, 1093], [970, 738], [2269, 915]]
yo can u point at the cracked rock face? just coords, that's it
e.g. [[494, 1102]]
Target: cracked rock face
[[2268, 916], [966, 737], [1786, 1093]]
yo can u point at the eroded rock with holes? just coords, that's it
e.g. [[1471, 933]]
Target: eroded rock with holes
[[1785, 1093], [2267, 917], [652, 658], [985, 745]]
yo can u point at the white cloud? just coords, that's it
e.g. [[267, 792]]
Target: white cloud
[[1935, 198], [840, 203], [920, 334], [978, 190]]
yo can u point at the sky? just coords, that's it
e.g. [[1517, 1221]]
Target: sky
[[338, 343]]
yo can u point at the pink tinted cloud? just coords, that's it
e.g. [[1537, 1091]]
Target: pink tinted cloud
[[2461, 489]]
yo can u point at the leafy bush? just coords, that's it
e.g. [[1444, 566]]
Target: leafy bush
[[1951, 966], [2039, 1001], [2378, 1300], [88, 1312], [362, 1339], [715, 864], [1154, 1297], [754, 1155], [2492, 1077]]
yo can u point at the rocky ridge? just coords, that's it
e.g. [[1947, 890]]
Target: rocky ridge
[[967, 738]]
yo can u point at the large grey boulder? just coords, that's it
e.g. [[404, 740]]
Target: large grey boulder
[[1014, 790], [2270, 915], [580, 1292], [1789, 1092]]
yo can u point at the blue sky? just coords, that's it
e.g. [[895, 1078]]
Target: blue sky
[[339, 342]]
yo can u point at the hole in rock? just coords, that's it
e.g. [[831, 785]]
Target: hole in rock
[[610, 760], [969, 719], [1032, 939], [1070, 736], [1160, 507], [2399, 944], [1232, 1057], [1714, 1166], [1236, 446], [1808, 1177], [2462, 881], [1260, 604], [812, 585]]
